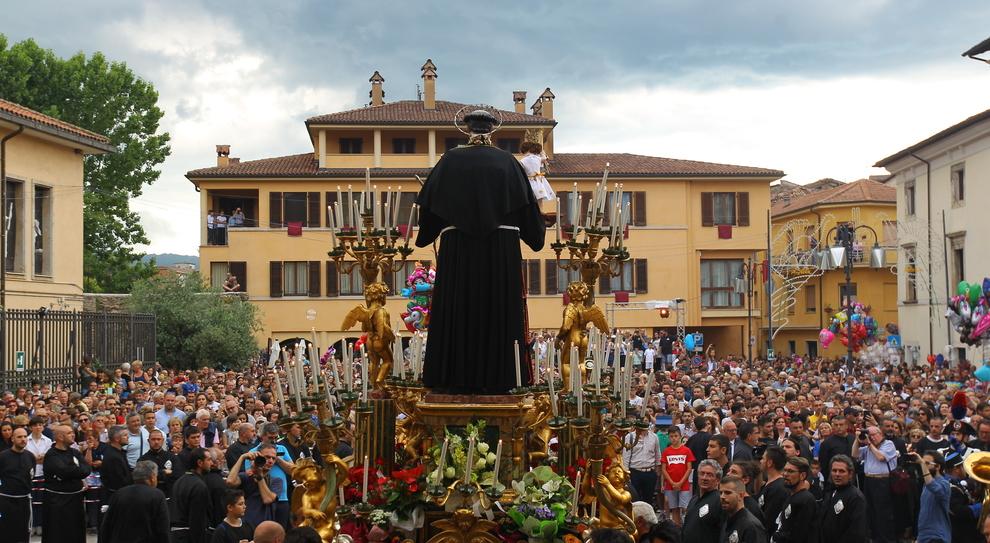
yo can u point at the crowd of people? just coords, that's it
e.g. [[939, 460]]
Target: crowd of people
[[797, 449]]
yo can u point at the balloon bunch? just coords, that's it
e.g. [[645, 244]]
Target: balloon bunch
[[863, 327], [419, 290], [969, 311]]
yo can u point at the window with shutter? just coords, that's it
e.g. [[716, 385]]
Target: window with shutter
[[585, 204], [707, 209], [641, 277], [275, 210], [333, 290], [331, 200], [275, 279], [294, 209], [533, 276], [550, 273], [239, 271], [314, 279], [742, 208], [604, 284], [313, 203], [639, 208]]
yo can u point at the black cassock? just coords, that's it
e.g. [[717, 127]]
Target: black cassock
[[16, 469], [63, 514], [137, 513], [478, 310]]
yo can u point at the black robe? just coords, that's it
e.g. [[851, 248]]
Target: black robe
[[190, 509], [743, 527], [165, 460], [845, 521], [703, 519], [772, 498], [798, 520], [16, 469], [63, 513], [478, 310], [136, 514], [114, 473]]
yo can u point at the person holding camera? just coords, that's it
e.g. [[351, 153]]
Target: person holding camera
[[879, 457], [256, 483], [934, 525]]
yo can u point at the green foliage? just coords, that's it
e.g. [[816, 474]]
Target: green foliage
[[107, 98], [197, 326]]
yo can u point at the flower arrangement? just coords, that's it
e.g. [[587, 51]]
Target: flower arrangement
[[543, 499], [482, 471], [404, 491]]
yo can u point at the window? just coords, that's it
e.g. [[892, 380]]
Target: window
[[295, 278], [295, 207], [450, 143], [910, 274], [792, 346], [958, 180], [632, 278], [811, 348], [218, 274], [219, 271], [14, 211], [958, 245], [810, 299], [402, 146], [42, 230], [531, 272], [351, 284], [717, 287], [509, 144], [558, 278], [396, 280], [301, 207], [725, 208], [635, 201], [847, 296], [351, 146], [909, 198]]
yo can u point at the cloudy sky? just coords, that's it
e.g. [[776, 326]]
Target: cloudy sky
[[814, 88]]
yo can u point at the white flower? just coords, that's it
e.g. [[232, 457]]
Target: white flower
[[551, 486], [449, 472], [483, 448], [491, 458], [480, 464]]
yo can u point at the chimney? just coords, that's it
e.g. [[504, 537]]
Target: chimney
[[377, 94], [429, 85], [223, 156], [519, 99], [546, 111]]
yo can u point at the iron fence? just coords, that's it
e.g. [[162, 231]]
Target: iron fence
[[46, 346]]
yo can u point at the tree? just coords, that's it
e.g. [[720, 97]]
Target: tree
[[107, 98], [197, 325]]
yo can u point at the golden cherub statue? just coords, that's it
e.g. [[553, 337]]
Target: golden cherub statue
[[534, 425], [315, 501], [615, 509], [374, 321], [573, 331], [464, 527]]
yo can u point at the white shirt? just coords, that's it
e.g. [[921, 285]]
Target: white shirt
[[137, 445], [37, 447], [645, 454], [650, 355]]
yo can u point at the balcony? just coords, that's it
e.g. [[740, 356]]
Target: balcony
[[230, 209]]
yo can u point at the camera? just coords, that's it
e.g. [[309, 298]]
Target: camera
[[863, 436]]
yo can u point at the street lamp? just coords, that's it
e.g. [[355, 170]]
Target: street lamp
[[842, 254]]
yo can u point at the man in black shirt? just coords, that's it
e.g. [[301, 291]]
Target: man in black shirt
[[982, 441], [698, 443], [703, 519], [191, 508], [245, 442], [63, 514], [137, 513], [796, 523], [114, 472], [294, 444], [934, 440], [740, 525], [774, 493], [837, 443], [164, 459], [666, 350], [844, 507], [16, 468]]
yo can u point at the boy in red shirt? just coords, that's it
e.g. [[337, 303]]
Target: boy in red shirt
[[675, 462]]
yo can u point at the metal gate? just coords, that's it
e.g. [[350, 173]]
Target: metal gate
[[46, 346]]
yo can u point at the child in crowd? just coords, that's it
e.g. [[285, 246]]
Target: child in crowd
[[676, 461]]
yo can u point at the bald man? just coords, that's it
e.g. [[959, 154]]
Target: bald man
[[269, 532], [64, 516], [16, 469]]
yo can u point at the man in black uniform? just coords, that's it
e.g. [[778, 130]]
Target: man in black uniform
[[164, 459], [703, 519], [796, 523], [115, 473], [137, 513], [190, 507], [774, 493], [245, 442], [844, 506], [837, 443], [16, 468], [965, 527], [216, 483], [741, 526], [63, 513]]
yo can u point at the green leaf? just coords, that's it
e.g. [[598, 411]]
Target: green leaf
[[516, 517], [548, 528], [532, 527], [543, 474]]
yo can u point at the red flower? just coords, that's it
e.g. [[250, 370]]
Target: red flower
[[582, 462], [379, 462], [408, 476], [413, 487]]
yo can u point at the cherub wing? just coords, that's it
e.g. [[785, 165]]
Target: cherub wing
[[571, 316], [595, 316], [358, 314]]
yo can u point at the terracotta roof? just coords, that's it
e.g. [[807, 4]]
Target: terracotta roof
[[33, 119], [958, 127], [563, 165], [862, 191], [412, 112]]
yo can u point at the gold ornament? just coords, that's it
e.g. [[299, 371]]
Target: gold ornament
[[573, 331], [315, 501], [374, 321], [615, 500], [464, 527]]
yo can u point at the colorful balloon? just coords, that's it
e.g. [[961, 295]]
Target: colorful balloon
[[689, 342], [826, 336], [962, 288], [975, 292], [983, 373]]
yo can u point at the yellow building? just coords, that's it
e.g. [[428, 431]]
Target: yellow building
[[674, 238], [42, 167], [804, 223]]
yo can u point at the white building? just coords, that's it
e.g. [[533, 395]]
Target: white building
[[943, 225]]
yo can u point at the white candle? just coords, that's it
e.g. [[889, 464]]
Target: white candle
[[396, 203], [376, 203], [299, 385], [340, 196], [574, 206], [518, 365], [333, 235], [314, 367], [326, 386], [397, 358], [498, 461], [367, 183], [412, 208], [646, 395], [333, 366], [364, 375], [278, 392], [442, 464], [593, 206], [469, 466], [357, 221], [558, 220], [388, 227], [594, 509], [616, 369], [577, 494], [553, 393], [350, 198], [288, 374], [364, 482], [300, 364], [577, 217], [340, 491], [349, 367], [579, 389]]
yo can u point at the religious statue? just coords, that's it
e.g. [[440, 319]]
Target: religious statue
[[464, 527], [374, 321], [573, 331], [535, 425], [615, 509], [315, 500], [478, 201]]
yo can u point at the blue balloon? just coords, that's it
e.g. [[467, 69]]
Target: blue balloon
[[983, 374], [857, 317], [689, 342], [986, 286]]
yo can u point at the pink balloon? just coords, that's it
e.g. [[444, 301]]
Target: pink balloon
[[826, 336], [982, 327]]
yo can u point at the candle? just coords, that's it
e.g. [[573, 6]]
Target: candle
[[330, 218], [376, 206], [314, 367], [364, 375], [396, 203], [442, 464], [498, 461], [333, 366], [278, 393], [301, 364], [397, 357], [357, 221], [574, 207], [518, 366], [594, 509], [604, 188], [340, 196], [577, 216], [616, 368], [367, 182], [577, 494], [469, 466], [340, 491], [553, 393], [349, 367], [412, 208], [558, 220], [593, 206], [646, 395], [326, 386], [419, 357], [299, 385], [578, 389], [388, 227], [364, 482], [288, 375], [350, 198]]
